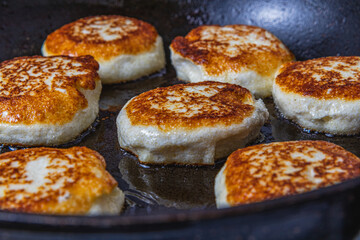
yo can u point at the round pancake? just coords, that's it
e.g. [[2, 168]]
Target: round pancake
[[321, 94], [126, 48], [245, 55], [278, 169], [47, 100], [192, 123], [58, 181]]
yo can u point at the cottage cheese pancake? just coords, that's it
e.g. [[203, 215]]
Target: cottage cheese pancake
[[274, 170], [126, 48], [321, 94], [192, 123], [58, 181], [47, 100], [245, 55]]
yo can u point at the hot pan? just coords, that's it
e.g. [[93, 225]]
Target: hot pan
[[174, 202]]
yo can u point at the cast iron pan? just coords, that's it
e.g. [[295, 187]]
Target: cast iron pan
[[178, 202]]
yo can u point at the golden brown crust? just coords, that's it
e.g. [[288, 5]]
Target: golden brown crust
[[180, 106], [125, 36], [323, 78], [45, 89], [210, 50], [274, 170], [74, 179]]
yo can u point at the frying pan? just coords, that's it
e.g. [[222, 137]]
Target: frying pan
[[178, 202]]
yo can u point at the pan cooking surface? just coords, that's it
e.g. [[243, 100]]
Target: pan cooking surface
[[155, 188], [24, 25]]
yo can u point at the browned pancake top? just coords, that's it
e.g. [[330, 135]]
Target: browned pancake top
[[274, 170], [233, 48], [102, 37], [323, 78], [45, 89], [50, 180], [191, 105]]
